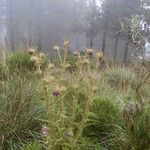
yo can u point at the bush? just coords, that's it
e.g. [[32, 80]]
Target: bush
[[19, 110], [105, 114]]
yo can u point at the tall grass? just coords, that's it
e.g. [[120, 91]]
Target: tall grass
[[19, 112], [79, 102]]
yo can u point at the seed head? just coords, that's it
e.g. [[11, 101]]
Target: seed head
[[56, 48], [56, 93], [34, 58], [45, 131], [76, 53], [99, 56], [94, 89], [41, 55], [90, 52], [85, 62], [31, 51], [51, 66], [66, 44]]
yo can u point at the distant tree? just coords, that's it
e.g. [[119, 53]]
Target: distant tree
[[90, 19], [115, 12]]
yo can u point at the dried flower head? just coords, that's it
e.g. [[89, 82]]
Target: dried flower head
[[66, 44], [59, 90], [69, 133], [99, 56], [56, 48], [34, 58], [94, 89], [76, 53], [85, 61], [90, 51], [31, 51], [45, 131], [51, 66], [56, 93], [41, 55]]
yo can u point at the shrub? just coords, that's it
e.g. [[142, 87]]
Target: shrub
[[105, 114], [19, 110]]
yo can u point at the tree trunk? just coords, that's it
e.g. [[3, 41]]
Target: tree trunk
[[126, 50], [116, 46], [104, 40], [91, 41]]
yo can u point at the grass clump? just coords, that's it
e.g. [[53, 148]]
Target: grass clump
[[19, 61], [19, 110], [121, 77], [104, 115]]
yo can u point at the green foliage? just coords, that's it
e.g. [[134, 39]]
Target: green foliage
[[20, 62], [105, 114], [32, 146], [121, 77], [2, 71], [70, 59], [134, 133], [19, 111]]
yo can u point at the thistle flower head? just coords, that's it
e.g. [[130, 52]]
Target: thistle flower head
[[90, 51], [69, 133], [85, 61], [34, 58], [76, 53], [51, 66], [56, 93], [41, 55], [66, 44], [31, 51], [45, 131], [59, 90], [56, 48], [94, 89], [99, 56]]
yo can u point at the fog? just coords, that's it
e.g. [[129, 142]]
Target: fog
[[113, 26]]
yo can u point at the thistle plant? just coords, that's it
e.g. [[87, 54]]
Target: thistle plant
[[68, 100]]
